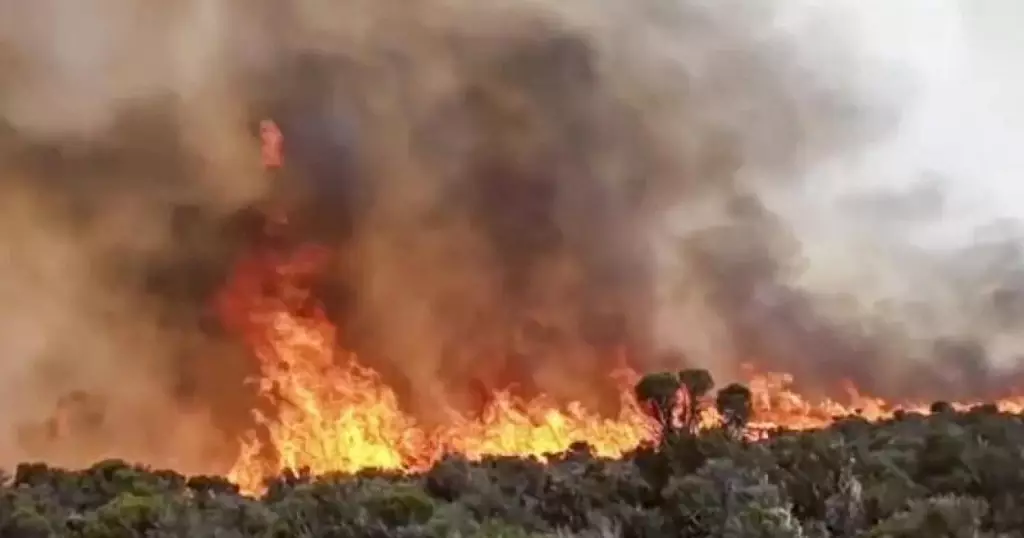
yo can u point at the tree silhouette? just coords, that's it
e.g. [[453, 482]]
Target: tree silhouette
[[941, 407], [698, 383], [735, 404], [659, 392]]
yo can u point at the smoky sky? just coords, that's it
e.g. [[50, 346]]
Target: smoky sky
[[489, 179]]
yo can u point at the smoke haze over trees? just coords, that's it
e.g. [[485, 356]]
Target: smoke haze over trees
[[501, 187]]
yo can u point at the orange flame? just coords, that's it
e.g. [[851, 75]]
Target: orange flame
[[334, 414], [337, 415]]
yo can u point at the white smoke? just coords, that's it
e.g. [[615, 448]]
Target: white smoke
[[910, 239], [908, 227]]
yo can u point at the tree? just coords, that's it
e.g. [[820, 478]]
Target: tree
[[940, 407], [660, 393], [698, 383], [736, 406]]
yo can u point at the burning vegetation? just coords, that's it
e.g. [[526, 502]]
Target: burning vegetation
[[449, 247], [333, 413]]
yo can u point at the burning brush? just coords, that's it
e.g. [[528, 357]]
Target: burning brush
[[333, 413], [327, 409], [527, 214]]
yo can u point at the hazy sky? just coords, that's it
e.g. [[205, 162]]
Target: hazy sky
[[954, 72], [968, 124], [957, 69]]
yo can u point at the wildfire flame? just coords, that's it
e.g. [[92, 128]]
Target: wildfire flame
[[336, 415]]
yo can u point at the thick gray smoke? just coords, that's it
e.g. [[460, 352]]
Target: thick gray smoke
[[496, 181], [897, 266]]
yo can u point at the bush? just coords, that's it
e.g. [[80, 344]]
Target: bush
[[948, 474]]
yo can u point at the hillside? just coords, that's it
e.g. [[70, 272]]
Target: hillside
[[947, 474]]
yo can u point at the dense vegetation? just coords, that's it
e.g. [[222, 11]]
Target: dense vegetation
[[947, 474]]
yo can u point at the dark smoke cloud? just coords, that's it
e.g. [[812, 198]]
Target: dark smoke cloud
[[490, 178], [895, 287], [747, 273]]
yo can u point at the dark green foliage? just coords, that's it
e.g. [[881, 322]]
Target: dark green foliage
[[941, 407], [735, 404], [950, 474], [697, 383], [660, 393]]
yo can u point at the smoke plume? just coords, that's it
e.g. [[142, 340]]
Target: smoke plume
[[894, 265], [515, 193]]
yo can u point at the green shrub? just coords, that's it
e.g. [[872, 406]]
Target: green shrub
[[399, 506], [950, 474]]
